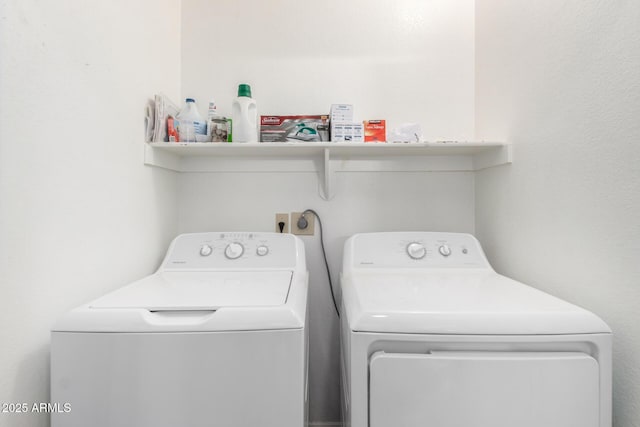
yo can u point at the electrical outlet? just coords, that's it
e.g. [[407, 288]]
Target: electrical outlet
[[282, 218], [311, 219]]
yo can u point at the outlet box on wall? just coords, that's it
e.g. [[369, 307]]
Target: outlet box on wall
[[282, 218], [309, 231]]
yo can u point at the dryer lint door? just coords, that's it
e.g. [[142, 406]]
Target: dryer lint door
[[484, 389]]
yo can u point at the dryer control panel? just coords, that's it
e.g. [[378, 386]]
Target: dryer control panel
[[234, 250], [414, 250]]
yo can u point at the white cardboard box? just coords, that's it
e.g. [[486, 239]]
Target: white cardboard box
[[347, 132], [341, 113]]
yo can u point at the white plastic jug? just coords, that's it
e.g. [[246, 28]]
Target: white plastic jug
[[190, 123], [244, 113]]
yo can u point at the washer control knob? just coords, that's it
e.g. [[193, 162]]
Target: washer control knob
[[416, 250], [444, 250], [234, 250], [206, 250], [262, 250]]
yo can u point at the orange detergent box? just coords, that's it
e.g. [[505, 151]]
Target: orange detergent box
[[375, 131]]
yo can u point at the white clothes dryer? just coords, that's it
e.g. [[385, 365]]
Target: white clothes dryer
[[431, 335], [216, 337]]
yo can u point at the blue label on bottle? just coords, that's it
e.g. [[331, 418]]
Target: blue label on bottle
[[200, 127]]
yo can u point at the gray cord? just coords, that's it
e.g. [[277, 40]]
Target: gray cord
[[324, 254]]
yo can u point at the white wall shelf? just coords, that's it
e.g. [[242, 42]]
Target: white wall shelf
[[327, 158]]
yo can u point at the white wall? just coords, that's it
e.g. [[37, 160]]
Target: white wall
[[404, 61], [560, 81], [79, 212]]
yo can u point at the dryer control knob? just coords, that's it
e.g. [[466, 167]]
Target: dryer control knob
[[262, 250], [234, 250], [206, 250], [416, 250], [444, 250]]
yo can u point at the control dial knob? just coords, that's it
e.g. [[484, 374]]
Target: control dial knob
[[234, 250], [206, 250], [444, 250], [262, 250], [416, 250]]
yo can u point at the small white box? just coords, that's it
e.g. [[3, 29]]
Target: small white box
[[347, 132], [341, 113]]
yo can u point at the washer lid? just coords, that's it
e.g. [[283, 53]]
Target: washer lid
[[197, 302], [462, 302], [201, 291]]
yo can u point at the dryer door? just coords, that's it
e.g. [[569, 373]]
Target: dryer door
[[484, 389]]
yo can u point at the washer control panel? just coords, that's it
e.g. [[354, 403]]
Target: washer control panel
[[414, 249], [226, 250]]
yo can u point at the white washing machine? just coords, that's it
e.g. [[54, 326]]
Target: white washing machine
[[216, 337], [432, 336]]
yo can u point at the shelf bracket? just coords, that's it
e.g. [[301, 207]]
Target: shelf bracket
[[500, 156], [161, 159], [326, 189]]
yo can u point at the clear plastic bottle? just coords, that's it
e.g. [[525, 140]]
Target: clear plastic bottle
[[216, 125], [190, 122], [245, 116], [213, 109]]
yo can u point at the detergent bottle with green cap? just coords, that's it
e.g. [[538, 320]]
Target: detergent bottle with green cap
[[244, 113]]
